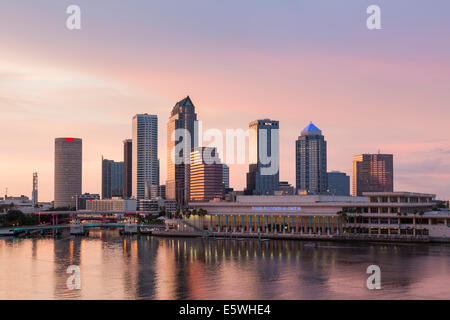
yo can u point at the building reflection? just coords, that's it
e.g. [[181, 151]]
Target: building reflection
[[144, 267]]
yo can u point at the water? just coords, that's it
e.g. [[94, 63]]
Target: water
[[141, 267]]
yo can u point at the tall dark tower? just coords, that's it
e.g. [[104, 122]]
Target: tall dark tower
[[127, 171], [112, 178], [263, 175], [183, 116], [311, 161]]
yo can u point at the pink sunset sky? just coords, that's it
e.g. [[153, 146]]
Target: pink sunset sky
[[386, 90]]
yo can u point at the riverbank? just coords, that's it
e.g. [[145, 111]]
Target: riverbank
[[308, 237]]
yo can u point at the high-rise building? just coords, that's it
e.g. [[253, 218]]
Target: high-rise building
[[145, 167], [182, 117], [338, 183], [311, 161], [127, 165], [373, 173], [68, 174], [205, 175], [226, 176], [263, 176], [158, 191], [34, 194], [112, 178]]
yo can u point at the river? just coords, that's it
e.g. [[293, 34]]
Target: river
[[144, 267]]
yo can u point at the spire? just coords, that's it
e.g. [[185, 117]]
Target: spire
[[185, 104], [311, 129]]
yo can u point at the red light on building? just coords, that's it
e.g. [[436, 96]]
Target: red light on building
[[70, 139]]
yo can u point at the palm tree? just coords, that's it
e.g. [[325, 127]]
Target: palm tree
[[343, 215]]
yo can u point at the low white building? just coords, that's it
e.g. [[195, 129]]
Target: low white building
[[126, 205], [381, 215]]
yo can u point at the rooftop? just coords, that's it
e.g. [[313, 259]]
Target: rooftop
[[311, 129], [184, 105], [398, 194]]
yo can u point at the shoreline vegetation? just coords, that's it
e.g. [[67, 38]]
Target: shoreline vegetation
[[14, 218]]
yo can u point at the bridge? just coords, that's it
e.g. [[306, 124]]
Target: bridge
[[75, 228], [93, 215], [106, 219]]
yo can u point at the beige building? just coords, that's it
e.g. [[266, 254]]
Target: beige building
[[68, 174], [127, 205]]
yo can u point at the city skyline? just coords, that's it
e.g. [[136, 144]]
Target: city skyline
[[375, 98], [163, 182]]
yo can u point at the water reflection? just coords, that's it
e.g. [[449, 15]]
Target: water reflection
[[142, 267]]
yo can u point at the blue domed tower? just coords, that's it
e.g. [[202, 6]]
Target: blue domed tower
[[311, 161]]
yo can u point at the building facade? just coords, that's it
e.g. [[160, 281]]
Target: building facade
[[180, 130], [123, 205], [263, 175], [112, 178], [145, 163], [68, 171], [311, 161], [82, 199], [156, 206], [127, 168], [372, 173], [158, 191], [205, 175], [338, 183], [226, 176]]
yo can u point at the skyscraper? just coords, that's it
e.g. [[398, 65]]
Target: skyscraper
[[183, 117], [112, 179], [311, 161], [34, 194], [68, 174], [127, 165], [373, 173], [145, 168], [338, 183], [205, 175], [263, 175], [226, 176]]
